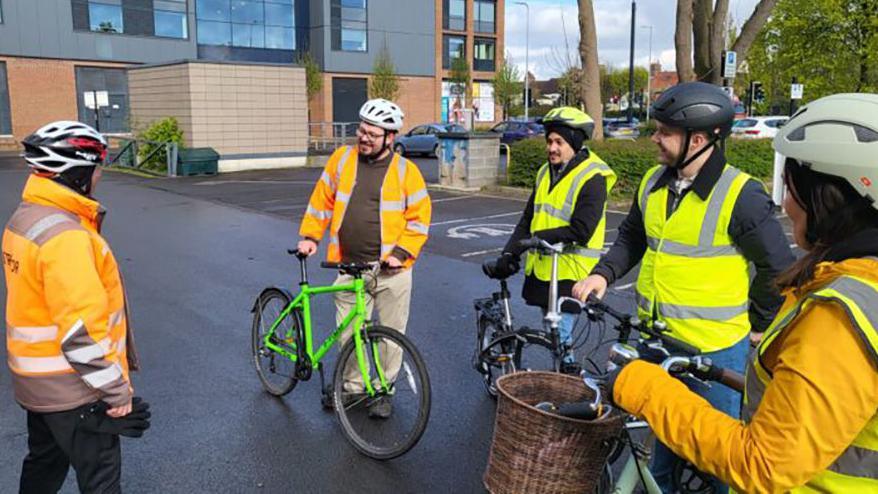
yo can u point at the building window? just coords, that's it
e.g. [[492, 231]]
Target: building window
[[105, 17], [454, 15], [455, 47], [483, 11], [170, 18], [246, 24], [1, 12], [5, 114], [483, 56], [349, 25], [112, 118]]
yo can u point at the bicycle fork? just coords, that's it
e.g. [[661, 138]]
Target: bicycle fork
[[360, 344]]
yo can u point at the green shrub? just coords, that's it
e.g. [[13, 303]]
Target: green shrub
[[164, 130], [631, 159]]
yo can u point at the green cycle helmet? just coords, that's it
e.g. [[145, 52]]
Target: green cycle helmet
[[836, 135], [568, 116]]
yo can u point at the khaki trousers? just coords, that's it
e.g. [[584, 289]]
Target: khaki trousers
[[389, 294]]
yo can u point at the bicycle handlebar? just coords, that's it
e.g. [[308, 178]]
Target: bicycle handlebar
[[541, 245]]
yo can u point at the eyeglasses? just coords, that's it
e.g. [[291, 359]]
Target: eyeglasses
[[361, 132]]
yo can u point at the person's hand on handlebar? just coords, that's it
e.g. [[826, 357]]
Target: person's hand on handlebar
[[505, 266], [594, 284], [307, 247]]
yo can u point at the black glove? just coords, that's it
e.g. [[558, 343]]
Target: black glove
[[505, 266], [95, 419]]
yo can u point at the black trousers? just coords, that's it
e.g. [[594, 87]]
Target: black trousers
[[56, 442]]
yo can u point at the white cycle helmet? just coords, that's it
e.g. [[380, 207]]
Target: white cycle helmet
[[60, 146], [836, 135], [382, 113]]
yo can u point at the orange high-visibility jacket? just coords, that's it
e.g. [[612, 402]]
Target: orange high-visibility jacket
[[67, 334], [404, 207]]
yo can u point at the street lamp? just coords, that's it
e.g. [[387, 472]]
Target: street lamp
[[526, 59], [631, 65], [648, 73]]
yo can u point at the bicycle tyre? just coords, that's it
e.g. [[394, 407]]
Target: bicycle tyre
[[276, 384], [345, 414], [490, 373]]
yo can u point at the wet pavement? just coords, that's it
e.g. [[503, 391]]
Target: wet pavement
[[195, 252]]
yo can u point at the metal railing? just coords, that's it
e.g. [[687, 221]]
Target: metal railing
[[326, 136], [127, 154]]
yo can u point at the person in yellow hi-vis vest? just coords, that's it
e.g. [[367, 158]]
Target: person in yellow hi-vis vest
[[695, 227], [376, 206], [568, 204], [811, 396]]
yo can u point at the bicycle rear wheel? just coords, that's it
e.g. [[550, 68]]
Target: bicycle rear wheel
[[276, 372], [390, 423]]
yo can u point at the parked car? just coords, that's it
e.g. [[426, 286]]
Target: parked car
[[513, 131], [622, 130], [423, 139], [758, 127]]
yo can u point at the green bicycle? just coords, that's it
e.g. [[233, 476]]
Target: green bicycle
[[376, 366]]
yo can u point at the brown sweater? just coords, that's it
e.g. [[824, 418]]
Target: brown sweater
[[360, 232]]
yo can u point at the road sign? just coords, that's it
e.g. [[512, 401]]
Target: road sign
[[730, 64], [796, 91]]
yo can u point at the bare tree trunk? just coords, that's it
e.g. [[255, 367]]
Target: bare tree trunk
[[683, 40], [718, 40], [752, 27], [701, 18], [591, 75]]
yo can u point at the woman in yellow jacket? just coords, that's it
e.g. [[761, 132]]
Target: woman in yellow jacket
[[810, 418]]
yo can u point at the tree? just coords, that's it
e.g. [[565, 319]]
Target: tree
[[460, 78], [385, 82], [507, 85], [591, 75], [313, 77], [616, 81], [831, 46], [702, 31]]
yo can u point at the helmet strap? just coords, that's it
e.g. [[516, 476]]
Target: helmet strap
[[683, 162], [374, 156]]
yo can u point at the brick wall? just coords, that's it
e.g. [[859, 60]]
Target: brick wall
[[417, 97], [40, 91]]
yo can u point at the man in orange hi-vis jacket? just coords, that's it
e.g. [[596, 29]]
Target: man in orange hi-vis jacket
[[376, 206], [69, 345]]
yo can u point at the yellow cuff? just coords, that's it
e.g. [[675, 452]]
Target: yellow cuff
[[633, 385]]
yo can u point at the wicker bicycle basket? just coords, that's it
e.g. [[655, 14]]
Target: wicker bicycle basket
[[539, 452]]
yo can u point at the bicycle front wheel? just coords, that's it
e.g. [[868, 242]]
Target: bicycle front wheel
[[497, 360], [392, 421], [276, 372]]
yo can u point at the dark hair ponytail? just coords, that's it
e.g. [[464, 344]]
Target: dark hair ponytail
[[836, 212]]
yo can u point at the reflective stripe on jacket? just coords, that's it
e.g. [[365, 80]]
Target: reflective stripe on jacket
[[404, 207], [692, 275], [67, 334], [855, 469], [553, 208]]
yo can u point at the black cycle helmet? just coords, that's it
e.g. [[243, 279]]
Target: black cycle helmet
[[696, 107]]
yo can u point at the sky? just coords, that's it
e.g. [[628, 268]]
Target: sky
[[549, 19]]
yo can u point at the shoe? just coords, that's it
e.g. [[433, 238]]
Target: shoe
[[381, 408], [326, 399]]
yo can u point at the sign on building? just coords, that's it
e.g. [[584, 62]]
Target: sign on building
[[796, 91], [730, 64]]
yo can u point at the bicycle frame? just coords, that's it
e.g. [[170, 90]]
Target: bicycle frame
[[357, 317]]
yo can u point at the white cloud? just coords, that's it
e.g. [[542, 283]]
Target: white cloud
[[550, 18]]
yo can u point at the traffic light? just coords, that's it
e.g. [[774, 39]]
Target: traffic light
[[758, 92]]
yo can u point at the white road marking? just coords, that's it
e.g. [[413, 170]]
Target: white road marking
[[272, 182], [453, 198], [481, 252], [464, 220]]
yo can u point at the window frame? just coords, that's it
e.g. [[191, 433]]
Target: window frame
[[478, 23], [4, 100], [446, 16], [266, 26], [339, 24], [184, 13], [447, 60], [90, 3], [479, 63]]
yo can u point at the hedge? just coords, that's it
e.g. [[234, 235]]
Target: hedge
[[631, 159]]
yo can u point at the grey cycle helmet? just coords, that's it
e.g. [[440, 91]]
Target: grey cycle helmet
[[696, 107], [836, 135]]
